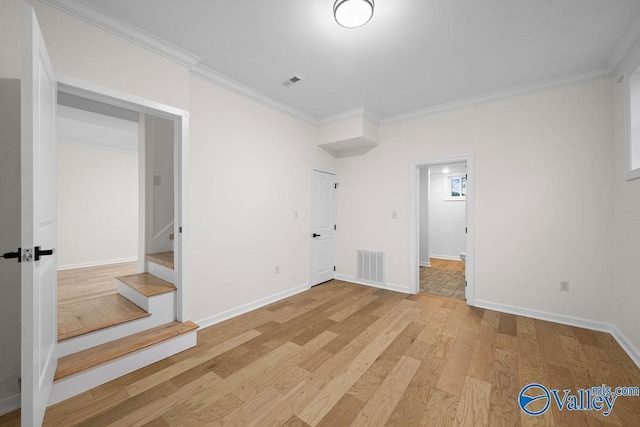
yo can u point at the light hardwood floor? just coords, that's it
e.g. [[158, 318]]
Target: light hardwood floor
[[342, 354], [86, 283], [88, 299]]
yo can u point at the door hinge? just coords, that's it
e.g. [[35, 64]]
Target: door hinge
[[335, 185], [179, 229], [335, 227], [334, 268], [465, 229]]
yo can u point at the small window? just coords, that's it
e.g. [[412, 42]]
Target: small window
[[632, 149], [455, 187]]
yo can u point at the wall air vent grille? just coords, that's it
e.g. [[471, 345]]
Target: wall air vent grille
[[371, 267]]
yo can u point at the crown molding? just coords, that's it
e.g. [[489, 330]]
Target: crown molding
[[626, 50], [350, 114], [581, 77], [117, 26], [226, 82]]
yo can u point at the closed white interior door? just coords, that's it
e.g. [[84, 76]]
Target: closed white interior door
[[322, 227], [39, 271]]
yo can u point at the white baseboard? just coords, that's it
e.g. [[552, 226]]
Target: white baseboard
[[226, 315], [543, 315], [632, 351], [447, 257], [9, 403], [96, 263], [425, 264], [387, 286], [625, 343]]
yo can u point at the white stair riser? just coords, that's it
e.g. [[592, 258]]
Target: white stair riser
[[161, 271], [162, 310], [86, 380], [149, 304]]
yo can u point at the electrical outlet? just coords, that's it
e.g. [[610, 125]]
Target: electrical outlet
[[277, 269], [564, 286]]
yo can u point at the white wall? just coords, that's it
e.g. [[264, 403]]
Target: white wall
[[97, 206], [159, 151], [446, 219], [249, 169], [626, 211], [9, 242], [552, 223]]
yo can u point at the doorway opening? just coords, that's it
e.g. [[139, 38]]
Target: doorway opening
[[442, 226], [117, 208], [443, 229]]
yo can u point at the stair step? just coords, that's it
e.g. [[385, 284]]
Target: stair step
[[90, 315], [162, 258], [147, 284], [95, 356]]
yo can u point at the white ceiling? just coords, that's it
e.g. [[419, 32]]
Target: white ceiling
[[413, 54]]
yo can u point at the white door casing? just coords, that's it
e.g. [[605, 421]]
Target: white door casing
[[38, 187], [322, 227]]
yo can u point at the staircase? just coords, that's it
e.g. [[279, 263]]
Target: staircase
[[146, 333]]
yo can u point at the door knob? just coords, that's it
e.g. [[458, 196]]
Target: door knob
[[39, 252], [315, 235], [17, 254]]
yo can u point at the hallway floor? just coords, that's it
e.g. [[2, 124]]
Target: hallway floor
[[444, 278]]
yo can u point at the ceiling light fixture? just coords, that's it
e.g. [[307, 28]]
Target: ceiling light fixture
[[353, 13]]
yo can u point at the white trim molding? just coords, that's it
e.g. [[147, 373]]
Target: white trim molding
[[544, 315], [632, 351], [127, 31], [387, 286], [245, 308], [9, 403], [219, 79], [582, 77], [625, 343], [97, 263]]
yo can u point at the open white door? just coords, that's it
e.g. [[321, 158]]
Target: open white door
[[322, 227], [39, 281]]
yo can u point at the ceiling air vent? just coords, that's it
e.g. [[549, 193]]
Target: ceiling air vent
[[292, 80]]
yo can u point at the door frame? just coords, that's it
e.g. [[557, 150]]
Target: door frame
[[414, 222], [310, 225], [180, 119]]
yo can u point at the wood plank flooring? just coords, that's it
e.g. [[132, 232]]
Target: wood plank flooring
[[88, 299], [85, 283], [90, 315], [341, 354]]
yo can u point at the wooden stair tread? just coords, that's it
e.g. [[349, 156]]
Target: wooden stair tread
[[172, 236], [162, 258], [89, 315], [95, 356], [147, 284]]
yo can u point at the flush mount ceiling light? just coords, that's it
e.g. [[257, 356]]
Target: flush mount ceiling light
[[353, 13]]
